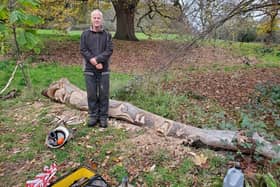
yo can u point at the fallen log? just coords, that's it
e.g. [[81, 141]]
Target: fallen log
[[64, 92]]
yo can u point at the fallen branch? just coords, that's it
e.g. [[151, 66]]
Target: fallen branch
[[65, 92], [10, 80], [11, 94]]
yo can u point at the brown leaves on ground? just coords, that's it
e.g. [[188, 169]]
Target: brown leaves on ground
[[128, 57], [230, 89], [66, 52]]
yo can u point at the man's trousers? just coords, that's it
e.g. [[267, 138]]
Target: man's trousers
[[97, 85]]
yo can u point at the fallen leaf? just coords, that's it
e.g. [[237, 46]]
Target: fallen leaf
[[115, 159], [89, 146], [93, 164], [108, 152], [153, 167], [200, 160]]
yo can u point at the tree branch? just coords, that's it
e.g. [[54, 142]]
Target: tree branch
[[238, 9]]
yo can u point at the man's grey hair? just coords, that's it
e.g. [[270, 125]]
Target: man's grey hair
[[97, 11]]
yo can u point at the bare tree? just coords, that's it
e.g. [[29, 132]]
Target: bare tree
[[235, 8]]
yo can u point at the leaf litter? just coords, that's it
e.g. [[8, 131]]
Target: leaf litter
[[139, 152]]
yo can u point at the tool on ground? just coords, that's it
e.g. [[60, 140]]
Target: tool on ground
[[234, 177], [80, 177], [57, 137]]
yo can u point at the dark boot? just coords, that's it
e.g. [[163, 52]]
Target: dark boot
[[92, 122], [103, 123]]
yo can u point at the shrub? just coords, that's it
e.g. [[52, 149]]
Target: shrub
[[248, 35]]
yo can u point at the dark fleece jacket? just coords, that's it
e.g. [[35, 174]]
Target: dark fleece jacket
[[98, 45]]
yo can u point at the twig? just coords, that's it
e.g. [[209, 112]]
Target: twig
[[10, 80]]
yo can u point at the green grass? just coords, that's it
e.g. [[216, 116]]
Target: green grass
[[42, 75], [75, 35], [161, 103], [59, 35], [119, 172], [270, 55], [28, 143], [164, 176], [160, 157], [23, 135], [23, 138], [187, 108]]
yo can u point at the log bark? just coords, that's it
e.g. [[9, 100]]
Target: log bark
[[64, 92]]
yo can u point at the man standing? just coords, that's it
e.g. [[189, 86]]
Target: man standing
[[96, 47]]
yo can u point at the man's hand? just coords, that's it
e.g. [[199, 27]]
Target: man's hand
[[93, 61], [99, 66]]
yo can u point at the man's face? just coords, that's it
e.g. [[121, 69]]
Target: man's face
[[96, 20]]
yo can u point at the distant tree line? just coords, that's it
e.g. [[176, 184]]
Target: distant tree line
[[238, 20]]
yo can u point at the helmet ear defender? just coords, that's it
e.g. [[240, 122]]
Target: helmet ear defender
[[57, 137]]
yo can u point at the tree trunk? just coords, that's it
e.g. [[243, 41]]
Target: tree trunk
[[273, 13], [125, 13], [65, 92]]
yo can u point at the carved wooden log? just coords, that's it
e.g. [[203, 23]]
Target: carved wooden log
[[65, 92]]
